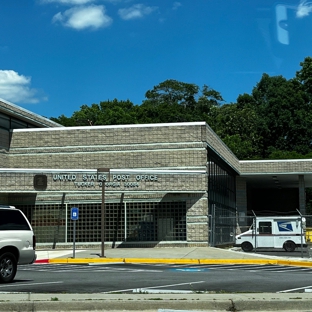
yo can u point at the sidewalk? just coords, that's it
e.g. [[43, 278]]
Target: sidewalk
[[172, 255]]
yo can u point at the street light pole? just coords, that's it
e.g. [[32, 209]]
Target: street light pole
[[103, 209]]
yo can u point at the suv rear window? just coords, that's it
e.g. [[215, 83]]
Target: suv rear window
[[12, 220]]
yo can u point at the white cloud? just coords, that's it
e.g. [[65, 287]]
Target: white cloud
[[176, 5], [81, 17], [136, 11], [304, 8], [70, 2], [16, 88]]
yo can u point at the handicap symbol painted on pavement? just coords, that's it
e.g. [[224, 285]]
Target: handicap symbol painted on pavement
[[189, 270]]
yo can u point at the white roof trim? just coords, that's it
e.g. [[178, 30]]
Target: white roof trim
[[275, 173], [274, 160], [117, 171], [198, 123]]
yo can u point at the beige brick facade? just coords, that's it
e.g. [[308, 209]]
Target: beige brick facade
[[284, 166], [70, 157]]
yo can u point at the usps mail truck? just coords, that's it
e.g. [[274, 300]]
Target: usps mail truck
[[273, 232]]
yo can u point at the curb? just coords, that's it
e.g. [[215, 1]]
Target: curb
[[41, 261], [143, 302], [179, 261]]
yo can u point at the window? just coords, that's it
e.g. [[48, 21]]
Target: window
[[12, 220], [265, 227]]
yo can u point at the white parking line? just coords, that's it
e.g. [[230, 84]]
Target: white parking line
[[30, 284], [294, 289], [163, 286], [161, 291]]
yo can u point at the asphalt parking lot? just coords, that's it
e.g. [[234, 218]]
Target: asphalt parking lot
[[282, 298]]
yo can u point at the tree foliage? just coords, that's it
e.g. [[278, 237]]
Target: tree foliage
[[238, 129], [174, 101], [283, 115], [113, 112], [172, 92]]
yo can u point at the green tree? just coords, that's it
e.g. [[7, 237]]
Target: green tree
[[284, 116], [304, 77], [87, 116], [207, 106], [117, 112], [163, 113], [106, 113], [175, 101], [237, 127], [64, 121], [172, 92]]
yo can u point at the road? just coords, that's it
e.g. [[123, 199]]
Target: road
[[129, 278]]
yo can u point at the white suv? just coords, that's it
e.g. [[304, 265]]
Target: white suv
[[17, 242]]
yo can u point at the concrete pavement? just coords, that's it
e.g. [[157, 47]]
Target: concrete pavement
[[173, 255]]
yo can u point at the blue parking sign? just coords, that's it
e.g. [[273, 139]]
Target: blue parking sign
[[74, 213]]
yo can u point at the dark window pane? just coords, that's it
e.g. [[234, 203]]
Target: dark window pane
[[265, 228], [12, 220], [4, 121]]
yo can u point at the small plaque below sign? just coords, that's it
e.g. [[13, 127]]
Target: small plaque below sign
[[40, 181]]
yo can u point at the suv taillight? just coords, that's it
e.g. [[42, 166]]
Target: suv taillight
[[34, 242]]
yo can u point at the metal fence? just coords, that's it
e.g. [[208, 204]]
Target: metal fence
[[222, 226], [124, 222], [308, 234]]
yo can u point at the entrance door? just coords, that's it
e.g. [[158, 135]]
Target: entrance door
[[164, 228]]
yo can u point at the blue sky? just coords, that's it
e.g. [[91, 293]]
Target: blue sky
[[56, 55]]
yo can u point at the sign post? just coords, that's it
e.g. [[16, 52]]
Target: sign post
[[103, 209], [74, 216]]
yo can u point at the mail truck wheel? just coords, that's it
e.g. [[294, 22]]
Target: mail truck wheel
[[8, 267], [289, 246], [247, 247]]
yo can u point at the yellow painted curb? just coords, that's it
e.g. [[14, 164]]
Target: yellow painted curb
[[295, 263], [238, 261], [182, 261]]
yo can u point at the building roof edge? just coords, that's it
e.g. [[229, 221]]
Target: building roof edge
[[26, 115]]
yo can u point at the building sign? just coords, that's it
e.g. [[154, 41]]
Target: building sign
[[112, 181], [40, 181]]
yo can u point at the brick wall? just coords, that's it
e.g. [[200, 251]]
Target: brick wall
[[164, 146], [93, 147], [276, 166]]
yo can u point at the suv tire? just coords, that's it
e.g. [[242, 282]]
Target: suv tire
[[8, 267]]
